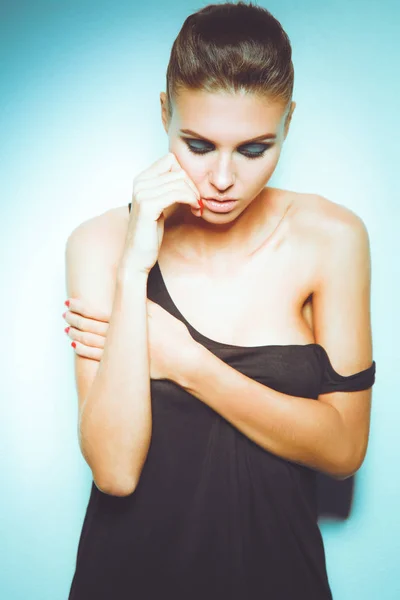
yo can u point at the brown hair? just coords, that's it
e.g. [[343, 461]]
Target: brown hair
[[231, 47]]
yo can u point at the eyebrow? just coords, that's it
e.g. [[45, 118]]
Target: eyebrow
[[265, 136]]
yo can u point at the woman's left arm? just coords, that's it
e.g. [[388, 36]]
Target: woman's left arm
[[330, 435]]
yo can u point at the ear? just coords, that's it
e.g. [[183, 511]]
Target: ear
[[164, 111], [288, 119]]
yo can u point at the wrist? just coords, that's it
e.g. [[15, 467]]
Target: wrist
[[189, 365], [128, 272]]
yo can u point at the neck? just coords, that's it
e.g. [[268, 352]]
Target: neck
[[217, 246]]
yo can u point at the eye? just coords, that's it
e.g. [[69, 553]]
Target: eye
[[259, 151], [197, 147]]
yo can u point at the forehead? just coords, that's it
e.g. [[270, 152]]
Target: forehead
[[241, 114]]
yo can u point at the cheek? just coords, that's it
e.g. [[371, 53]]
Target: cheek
[[268, 165], [259, 169], [274, 157], [195, 168]]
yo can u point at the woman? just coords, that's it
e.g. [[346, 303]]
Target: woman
[[223, 342]]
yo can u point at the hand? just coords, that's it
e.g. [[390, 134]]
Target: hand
[[157, 192], [170, 342], [87, 328]]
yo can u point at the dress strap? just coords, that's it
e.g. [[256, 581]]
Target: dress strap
[[332, 381]]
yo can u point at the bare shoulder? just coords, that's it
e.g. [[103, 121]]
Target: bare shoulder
[[104, 233], [92, 254], [325, 221], [331, 238]]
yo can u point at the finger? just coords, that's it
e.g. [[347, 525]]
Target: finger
[[164, 183], [84, 324], [85, 338], [162, 165], [157, 183], [160, 180], [177, 186], [177, 172], [88, 352], [77, 305], [192, 185], [176, 166]]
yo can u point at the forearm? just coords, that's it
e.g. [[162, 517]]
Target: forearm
[[298, 429], [115, 421]]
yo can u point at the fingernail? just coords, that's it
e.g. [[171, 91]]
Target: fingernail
[[66, 329], [63, 316], [66, 303], [73, 345]]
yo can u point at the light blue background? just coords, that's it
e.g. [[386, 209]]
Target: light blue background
[[79, 118]]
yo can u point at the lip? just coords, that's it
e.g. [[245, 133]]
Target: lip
[[220, 199], [219, 206]]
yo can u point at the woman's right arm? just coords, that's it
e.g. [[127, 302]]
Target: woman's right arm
[[114, 411], [114, 393]]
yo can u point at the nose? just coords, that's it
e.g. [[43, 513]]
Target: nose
[[222, 175]]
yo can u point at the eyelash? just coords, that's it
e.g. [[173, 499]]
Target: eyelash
[[250, 155]]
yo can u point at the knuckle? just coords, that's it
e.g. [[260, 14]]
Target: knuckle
[[140, 196], [138, 185], [176, 174]]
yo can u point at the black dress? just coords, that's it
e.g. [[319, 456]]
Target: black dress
[[214, 516]]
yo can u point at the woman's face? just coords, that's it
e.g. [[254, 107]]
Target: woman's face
[[212, 136]]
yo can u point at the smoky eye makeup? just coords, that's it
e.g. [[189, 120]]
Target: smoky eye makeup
[[252, 150]]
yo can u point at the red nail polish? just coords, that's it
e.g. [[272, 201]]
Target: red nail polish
[[66, 303], [63, 316], [73, 345], [201, 207], [66, 329]]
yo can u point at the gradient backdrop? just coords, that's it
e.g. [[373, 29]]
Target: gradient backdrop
[[79, 118]]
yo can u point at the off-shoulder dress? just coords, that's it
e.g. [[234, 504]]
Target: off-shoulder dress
[[214, 516]]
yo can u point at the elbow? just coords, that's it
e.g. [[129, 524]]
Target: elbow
[[113, 485], [117, 487], [349, 465]]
